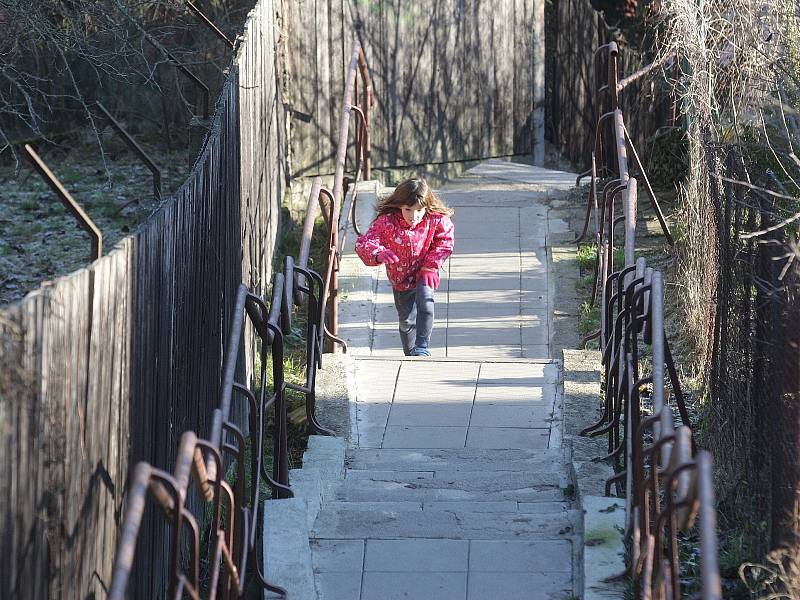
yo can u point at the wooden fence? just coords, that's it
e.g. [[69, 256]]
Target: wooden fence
[[453, 81], [574, 30], [108, 365]]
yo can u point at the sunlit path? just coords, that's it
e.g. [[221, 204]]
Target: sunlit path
[[456, 483]]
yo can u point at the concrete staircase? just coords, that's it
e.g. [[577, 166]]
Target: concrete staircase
[[466, 523], [456, 483]]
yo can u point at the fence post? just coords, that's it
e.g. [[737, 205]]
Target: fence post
[[538, 83]]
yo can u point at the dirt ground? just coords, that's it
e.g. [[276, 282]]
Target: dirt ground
[[39, 239]]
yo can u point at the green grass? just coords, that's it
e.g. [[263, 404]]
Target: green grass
[[29, 205], [22, 230], [584, 284], [69, 175], [589, 318], [586, 256]]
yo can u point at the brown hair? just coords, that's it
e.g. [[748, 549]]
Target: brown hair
[[409, 193]]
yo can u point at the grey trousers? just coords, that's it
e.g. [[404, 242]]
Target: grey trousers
[[415, 314]]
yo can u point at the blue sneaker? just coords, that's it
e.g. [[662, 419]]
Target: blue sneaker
[[419, 351]]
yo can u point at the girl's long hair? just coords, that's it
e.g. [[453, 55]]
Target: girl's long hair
[[409, 193]]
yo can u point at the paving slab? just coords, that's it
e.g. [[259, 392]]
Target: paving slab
[[402, 586], [424, 437], [338, 586], [441, 414], [520, 414], [337, 555], [519, 586], [502, 556], [507, 437], [535, 351], [419, 555], [511, 392], [486, 351]]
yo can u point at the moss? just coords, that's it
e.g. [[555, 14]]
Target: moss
[[601, 537], [69, 174]]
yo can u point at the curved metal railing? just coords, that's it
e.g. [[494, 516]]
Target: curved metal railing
[[201, 463], [234, 509], [665, 480], [330, 202]]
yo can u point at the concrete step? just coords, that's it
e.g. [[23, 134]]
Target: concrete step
[[362, 523], [405, 486], [287, 554], [443, 569], [459, 459], [496, 506]]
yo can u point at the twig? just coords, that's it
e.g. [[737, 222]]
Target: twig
[[644, 71], [757, 188], [772, 150]]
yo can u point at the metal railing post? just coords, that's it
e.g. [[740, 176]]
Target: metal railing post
[[85, 222], [136, 148]]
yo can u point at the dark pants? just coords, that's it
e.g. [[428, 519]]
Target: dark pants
[[415, 313]]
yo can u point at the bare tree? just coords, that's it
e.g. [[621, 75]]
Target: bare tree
[[58, 56]]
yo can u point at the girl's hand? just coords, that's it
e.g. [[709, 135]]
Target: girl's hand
[[429, 278], [386, 256]]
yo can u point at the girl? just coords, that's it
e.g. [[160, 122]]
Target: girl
[[412, 235]]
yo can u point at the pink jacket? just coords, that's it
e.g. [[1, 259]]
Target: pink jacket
[[427, 245]]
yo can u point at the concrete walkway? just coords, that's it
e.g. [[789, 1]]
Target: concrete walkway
[[457, 486]]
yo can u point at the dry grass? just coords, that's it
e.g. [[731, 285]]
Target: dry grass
[[739, 86]]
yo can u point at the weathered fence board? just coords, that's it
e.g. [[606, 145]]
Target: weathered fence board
[[574, 31], [107, 366], [573, 35], [453, 80]]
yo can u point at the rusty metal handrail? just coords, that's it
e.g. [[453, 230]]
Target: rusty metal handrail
[[357, 55], [84, 221], [135, 148], [210, 24], [200, 464], [336, 220], [205, 93], [621, 140], [657, 464], [664, 478]]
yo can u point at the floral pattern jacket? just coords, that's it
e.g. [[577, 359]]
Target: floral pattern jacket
[[423, 246]]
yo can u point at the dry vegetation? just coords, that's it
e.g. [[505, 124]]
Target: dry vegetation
[[57, 59], [739, 91]]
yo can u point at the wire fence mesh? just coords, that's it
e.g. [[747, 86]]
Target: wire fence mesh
[[754, 382]]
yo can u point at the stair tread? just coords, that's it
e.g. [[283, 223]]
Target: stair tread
[[414, 486], [496, 506], [456, 524], [461, 459]]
